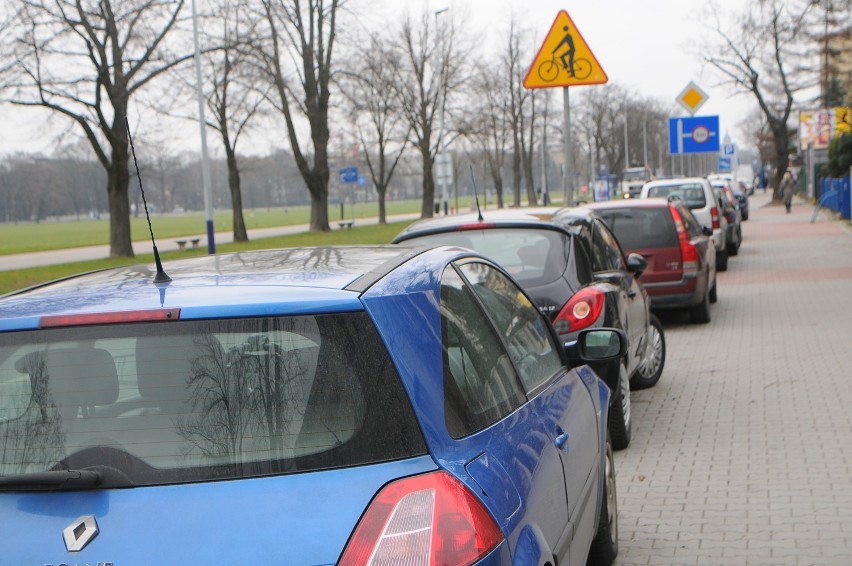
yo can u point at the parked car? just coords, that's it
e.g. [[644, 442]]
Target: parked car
[[741, 192], [681, 257], [731, 212], [698, 196], [570, 264], [349, 406]]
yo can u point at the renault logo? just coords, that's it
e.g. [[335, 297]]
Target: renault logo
[[80, 533]]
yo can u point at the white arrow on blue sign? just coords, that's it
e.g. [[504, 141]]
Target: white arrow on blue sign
[[348, 175]]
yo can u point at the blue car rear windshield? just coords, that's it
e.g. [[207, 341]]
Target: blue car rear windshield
[[203, 400]]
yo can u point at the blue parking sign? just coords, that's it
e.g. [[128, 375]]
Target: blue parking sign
[[696, 134]]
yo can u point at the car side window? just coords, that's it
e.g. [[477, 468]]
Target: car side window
[[693, 227], [480, 383], [521, 326], [606, 252]]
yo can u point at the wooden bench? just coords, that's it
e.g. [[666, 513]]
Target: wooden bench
[[346, 224], [181, 244], [195, 242]]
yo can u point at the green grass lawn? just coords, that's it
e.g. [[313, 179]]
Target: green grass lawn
[[372, 234], [25, 237]]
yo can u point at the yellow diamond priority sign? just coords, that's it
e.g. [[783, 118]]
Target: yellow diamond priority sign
[[692, 98], [564, 58]]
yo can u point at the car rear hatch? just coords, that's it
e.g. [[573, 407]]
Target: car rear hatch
[[195, 441], [651, 233]]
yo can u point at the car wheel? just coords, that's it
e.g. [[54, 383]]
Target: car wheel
[[713, 296], [700, 313], [605, 544], [620, 423], [722, 260], [653, 357]]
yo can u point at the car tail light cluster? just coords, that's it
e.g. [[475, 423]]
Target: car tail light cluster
[[714, 216], [581, 311], [688, 251], [428, 519]]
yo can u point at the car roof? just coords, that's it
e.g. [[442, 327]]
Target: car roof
[[305, 279], [548, 217], [650, 202], [676, 181]]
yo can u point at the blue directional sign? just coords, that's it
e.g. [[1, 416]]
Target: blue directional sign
[[724, 163], [348, 175], [696, 134]]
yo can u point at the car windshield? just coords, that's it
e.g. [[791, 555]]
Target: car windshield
[[641, 228], [533, 257], [692, 194], [193, 401]]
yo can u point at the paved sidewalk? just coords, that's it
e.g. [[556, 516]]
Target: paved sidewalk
[[742, 454], [54, 257]]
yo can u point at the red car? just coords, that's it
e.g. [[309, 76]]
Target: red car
[[681, 257]]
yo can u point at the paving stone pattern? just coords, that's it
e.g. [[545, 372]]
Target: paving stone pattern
[[742, 454]]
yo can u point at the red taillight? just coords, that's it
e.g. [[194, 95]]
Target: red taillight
[[688, 252], [109, 317], [475, 226], [428, 519], [714, 216], [581, 311]]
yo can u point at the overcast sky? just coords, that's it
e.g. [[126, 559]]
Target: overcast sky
[[649, 46]]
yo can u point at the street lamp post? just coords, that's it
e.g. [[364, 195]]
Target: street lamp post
[[205, 157]]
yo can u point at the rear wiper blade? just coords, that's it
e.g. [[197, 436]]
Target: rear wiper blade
[[52, 480]]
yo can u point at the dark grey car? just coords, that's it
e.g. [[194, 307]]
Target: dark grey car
[[573, 268]]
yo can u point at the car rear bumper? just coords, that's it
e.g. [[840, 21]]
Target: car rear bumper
[[686, 292]]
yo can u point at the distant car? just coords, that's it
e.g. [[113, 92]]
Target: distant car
[[733, 217], [698, 196], [741, 193], [569, 262], [681, 257], [373, 405]]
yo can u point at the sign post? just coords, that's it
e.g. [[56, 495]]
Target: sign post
[[564, 60]]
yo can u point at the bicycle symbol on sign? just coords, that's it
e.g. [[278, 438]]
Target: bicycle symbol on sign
[[579, 68], [549, 70]]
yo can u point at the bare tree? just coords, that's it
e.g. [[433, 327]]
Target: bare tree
[[434, 60], [369, 89], [296, 57], [234, 97], [763, 55], [488, 125], [599, 125], [85, 60]]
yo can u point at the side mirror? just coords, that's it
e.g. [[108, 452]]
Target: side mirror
[[597, 345], [707, 231], [636, 264]]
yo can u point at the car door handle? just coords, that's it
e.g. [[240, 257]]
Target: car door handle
[[561, 441]]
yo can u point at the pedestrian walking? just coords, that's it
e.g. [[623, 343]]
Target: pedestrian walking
[[788, 187]]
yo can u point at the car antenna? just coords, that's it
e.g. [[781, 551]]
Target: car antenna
[[475, 196], [161, 276]]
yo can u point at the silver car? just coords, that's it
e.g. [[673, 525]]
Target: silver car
[[697, 194]]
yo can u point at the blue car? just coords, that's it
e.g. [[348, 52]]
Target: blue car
[[358, 405]]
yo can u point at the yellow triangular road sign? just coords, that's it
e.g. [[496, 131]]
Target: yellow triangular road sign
[[564, 50]]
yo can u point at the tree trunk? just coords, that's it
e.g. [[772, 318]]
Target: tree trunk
[[516, 174], [381, 191], [781, 157], [427, 209], [240, 233], [118, 182]]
